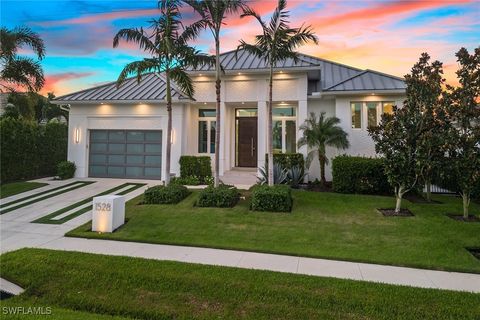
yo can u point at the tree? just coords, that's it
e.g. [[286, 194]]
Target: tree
[[213, 13], [17, 71], [463, 105], [318, 133], [277, 43], [167, 43], [424, 89]]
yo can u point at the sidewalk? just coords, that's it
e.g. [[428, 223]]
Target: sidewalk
[[261, 261]]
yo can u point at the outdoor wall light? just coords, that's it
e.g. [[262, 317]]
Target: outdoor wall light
[[172, 137], [77, 135]]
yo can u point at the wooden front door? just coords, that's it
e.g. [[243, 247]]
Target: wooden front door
[[247, 142]]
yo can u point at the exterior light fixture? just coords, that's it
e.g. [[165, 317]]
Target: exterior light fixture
[[77, 135], [239, 73], [243, 102], [200, 74], [204, 103], [172, 137]]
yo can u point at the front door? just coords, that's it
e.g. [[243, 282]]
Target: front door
[[247, 142]]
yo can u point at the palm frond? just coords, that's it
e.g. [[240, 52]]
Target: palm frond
[[24, 72], [25, 36], [183, 81], [137, 68], [134, 35]]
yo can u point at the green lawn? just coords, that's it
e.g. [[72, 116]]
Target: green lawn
[[10, 189], [326, 225], [86, 286]]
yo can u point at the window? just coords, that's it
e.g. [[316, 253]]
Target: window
[[206, 130], [284, 130], [356, 114], [372, 114]]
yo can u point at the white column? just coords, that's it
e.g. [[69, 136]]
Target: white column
[[223, 137], [178, 112], [78, 144], [302, 115], [262, 134]]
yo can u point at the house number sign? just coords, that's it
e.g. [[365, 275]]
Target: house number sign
[[102, 206]]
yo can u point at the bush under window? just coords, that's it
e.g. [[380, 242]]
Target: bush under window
[[171, 194], [359, 175], [277, 198], [224, 196], [196, 166]]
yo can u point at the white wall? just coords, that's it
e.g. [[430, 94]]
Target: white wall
[[127, 117]]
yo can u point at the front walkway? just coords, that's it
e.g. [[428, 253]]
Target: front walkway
[[17, 231]]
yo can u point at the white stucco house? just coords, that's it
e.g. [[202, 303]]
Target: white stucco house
[[121, 132]]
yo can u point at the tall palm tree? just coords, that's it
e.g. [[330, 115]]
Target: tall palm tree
[[17, 71], [213, 12], [277, 43], [318, 133], [167, 43]]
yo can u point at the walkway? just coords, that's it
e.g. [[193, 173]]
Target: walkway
[[251, 260]]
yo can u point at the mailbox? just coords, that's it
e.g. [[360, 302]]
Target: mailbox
[[108, 213]]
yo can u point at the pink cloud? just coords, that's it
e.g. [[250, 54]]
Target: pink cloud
[[56, 82]]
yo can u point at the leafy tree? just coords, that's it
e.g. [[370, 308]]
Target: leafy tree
[[424, 89], [277, 43], [17, 71], [463, 104], [167, 43], [33, 106], [213, 13], [318, 133]]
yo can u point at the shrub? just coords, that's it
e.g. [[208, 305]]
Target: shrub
[[279, 175], [287, 160], [66, 170], [276, 198], [196, 166], [171, 194], [189, 181], [359, 175], [295, 176], [224, 196]]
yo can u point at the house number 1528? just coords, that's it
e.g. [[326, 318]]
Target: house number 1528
[[102, 206]]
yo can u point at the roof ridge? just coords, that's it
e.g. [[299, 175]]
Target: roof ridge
[[345, 80], [385, 74], [332, 62]]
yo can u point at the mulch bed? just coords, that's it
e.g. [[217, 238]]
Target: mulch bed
[[392, 213], [459, 217], [318, 187], [475, 252]]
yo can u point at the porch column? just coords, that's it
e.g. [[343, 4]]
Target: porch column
[[223, 137], [262, 134], [302, 115]]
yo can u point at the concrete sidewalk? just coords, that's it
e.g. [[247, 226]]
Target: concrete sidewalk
[[261, 261]]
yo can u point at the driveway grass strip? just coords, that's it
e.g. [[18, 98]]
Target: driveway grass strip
[[75, 185], [38, 194], [48, 219], [14, 188], [151, 289]]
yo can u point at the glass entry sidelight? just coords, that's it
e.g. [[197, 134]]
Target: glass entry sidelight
[[246, 137]]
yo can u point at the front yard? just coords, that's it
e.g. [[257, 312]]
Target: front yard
[[13, 188], [87, 286], [326, 225]]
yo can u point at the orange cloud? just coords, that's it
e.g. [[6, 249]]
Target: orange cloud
[[55, 82]]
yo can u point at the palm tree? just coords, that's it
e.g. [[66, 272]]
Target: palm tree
[[19, 71], [318, 133], [213, 13], [167, 43], [277, 43]]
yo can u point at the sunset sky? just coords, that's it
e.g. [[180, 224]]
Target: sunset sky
[[387, 36]]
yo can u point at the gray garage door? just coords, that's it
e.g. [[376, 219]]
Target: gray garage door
[[125, 154]]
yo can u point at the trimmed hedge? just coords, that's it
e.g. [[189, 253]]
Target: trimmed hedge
[[277, 198], [171, 194], [200, 167], [30, 150], [287, 160], [66, 170], [224, 196], [359, 175]]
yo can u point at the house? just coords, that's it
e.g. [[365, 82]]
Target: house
[[121, 132]]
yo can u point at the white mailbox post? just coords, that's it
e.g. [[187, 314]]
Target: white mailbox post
[[108, 213]]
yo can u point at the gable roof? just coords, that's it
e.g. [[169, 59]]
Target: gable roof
[[369, 80], [243, 60], [152, 87]]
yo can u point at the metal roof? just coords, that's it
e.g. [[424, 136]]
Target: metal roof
[[369, 80], [151, 87], [243, 60]]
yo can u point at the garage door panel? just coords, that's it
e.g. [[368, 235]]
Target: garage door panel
[[125, 154]]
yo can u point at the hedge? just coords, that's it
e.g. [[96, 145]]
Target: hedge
[[277, 198], [287, 160], [30, 150], [224, 196], [200, 167], [359, 175], [171, 194]]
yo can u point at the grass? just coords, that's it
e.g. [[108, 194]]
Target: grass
[[11, 189], [324, 225], [97, 285]]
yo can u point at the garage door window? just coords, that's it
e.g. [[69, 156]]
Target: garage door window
[[125, 154]]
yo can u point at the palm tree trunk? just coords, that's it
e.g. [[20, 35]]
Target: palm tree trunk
[[169, 131], [218, 125], [270, 128], [321, 159]]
